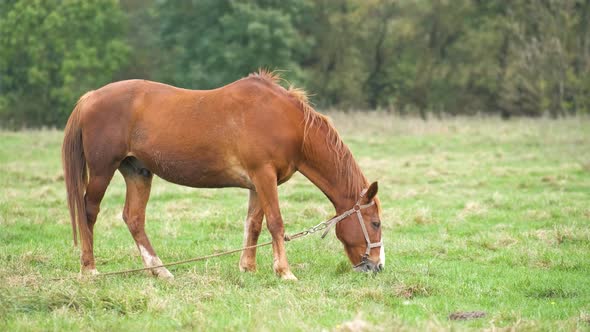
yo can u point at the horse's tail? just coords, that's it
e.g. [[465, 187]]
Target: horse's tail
[[75, 174]]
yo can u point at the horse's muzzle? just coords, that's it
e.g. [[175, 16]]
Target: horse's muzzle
[[366, 265]]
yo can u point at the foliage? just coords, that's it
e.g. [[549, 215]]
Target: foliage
[[214, 42], [479, 214], [53, 51], [523, 57]]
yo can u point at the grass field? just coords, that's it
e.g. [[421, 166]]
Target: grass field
[[478, 215]]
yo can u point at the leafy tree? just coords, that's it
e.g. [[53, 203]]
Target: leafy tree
[[335, 65], [213, 42], [545, 72], [142, 32], [520, 57], [51, 52]]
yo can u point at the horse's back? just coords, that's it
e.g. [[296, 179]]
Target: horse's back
[[201, 138]]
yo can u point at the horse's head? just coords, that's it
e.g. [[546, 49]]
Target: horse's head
[[364, 245]]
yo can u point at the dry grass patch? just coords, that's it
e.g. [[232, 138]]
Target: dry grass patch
[[358, 324], [315, 212], [495, 240], [561, 233], [27, 280], [179, 206], [409, 291], [497, 200], [423, 216], [372, 294], [415, 191], [472, 208], [34, 257], [537, 214], [391, 217]]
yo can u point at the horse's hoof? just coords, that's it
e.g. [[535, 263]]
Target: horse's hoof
[[163, 273], [288, 276], [247, 268], [89, 272]]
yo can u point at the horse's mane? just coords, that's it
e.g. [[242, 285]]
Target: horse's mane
[[349, 170]]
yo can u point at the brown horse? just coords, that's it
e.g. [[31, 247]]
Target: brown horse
[[252, 134]]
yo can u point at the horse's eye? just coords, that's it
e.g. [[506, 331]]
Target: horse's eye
[[376, 224]]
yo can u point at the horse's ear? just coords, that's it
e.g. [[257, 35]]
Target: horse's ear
[[372, 191]]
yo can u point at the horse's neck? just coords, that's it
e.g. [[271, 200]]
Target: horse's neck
[[334, 172]]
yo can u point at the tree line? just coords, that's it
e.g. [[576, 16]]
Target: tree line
[[424, 57]]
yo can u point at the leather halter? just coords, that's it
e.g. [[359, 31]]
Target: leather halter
[[356, 209]]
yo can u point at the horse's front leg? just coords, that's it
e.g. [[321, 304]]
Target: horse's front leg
[[265, 181], [252, 228]]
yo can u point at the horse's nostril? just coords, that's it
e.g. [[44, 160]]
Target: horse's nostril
[[379, 268]]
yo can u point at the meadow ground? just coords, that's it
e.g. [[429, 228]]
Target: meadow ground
[[478, 215]]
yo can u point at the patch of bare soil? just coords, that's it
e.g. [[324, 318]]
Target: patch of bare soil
[[466, 315]]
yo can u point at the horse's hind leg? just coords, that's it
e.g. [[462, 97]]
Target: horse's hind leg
[[252, 228], [97, 185], [139, 182]]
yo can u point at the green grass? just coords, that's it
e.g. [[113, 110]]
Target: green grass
[[478, 215]]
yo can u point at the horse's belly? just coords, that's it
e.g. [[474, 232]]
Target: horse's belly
[[204, 178], [201, 173]]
